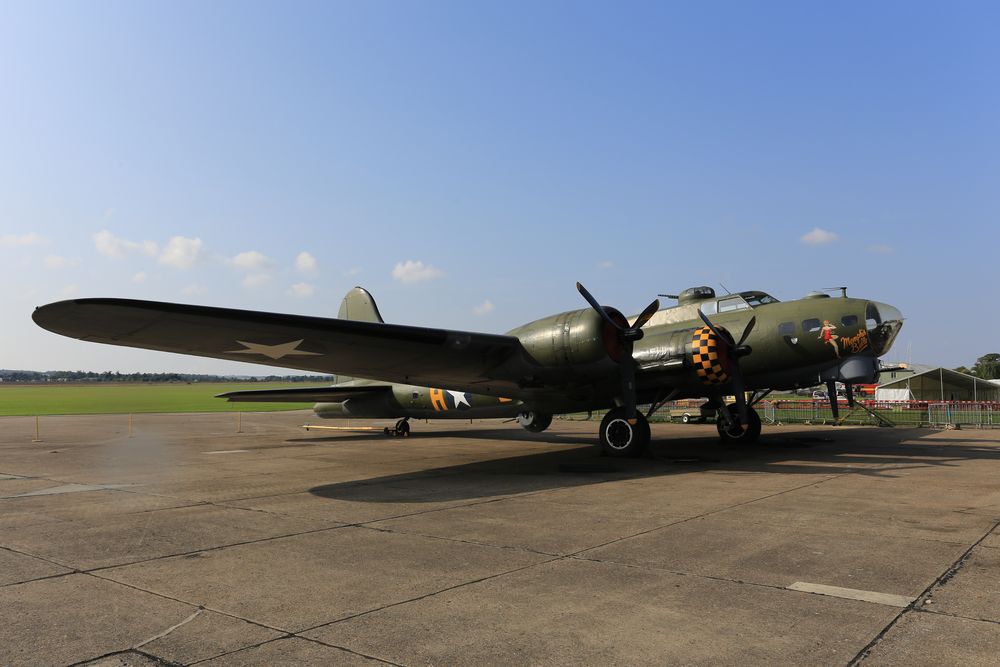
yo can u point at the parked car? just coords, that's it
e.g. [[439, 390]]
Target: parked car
[[821, 396]]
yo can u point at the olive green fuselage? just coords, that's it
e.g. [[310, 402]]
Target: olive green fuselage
[[794, 344]]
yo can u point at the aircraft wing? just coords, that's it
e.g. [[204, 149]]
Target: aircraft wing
[[304, 394], [475, 362]]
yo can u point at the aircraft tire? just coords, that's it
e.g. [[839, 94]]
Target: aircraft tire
[[686, 419], [403, 428], [621, 439], [535, 422], [748, 434]]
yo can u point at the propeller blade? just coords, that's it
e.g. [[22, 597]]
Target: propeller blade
[[850, 394], [646, 314], [746, 330], [598, 307], [708, 323], [831, 391], [628, 383]]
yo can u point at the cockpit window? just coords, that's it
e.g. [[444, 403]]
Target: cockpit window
[[755, 299], [786, 329], [811, 325], [709, 307], [732, 303], [849, 320]]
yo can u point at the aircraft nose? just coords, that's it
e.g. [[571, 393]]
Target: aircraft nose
[[883, 323]]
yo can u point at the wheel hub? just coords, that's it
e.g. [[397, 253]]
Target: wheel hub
[[619, 434]]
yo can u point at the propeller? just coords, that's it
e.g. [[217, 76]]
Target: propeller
[[627, 335], [736, 350]]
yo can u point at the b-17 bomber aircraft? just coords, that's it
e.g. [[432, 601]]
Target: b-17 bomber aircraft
[[744, 345]]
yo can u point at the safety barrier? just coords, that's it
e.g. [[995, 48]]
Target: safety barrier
[[971, 414]]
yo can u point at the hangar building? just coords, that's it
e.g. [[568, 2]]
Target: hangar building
[[933, 383]]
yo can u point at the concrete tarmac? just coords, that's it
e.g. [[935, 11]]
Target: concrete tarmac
[[189, 543]]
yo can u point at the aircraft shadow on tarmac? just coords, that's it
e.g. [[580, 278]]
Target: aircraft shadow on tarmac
[[854, 451]]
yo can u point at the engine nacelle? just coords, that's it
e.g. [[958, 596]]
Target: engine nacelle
[[696, 357], [576, 338]]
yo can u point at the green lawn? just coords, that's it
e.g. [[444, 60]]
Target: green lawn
[[56, 399]]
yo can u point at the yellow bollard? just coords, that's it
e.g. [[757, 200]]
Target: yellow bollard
[[239, 421], [130, 424], [37, 438]]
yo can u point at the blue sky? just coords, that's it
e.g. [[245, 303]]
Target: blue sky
[[467, 162]]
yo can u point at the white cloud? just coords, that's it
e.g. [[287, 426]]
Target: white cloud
[[181, 252], [606, 264], [113, 246], [306, 263], [139, 278], [415, 272], [484, 308], [21, 240], [56, 262], [256, 280], [191, 290], [251, 260], [353, 271], [818, 237], [302, 290], [881, 249], [70, 290]]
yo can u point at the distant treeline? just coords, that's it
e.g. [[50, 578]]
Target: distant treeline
[[108, 376]]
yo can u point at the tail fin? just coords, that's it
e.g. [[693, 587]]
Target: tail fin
[[359, 305]]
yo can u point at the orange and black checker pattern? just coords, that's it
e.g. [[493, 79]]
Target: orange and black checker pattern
[[708, 363]]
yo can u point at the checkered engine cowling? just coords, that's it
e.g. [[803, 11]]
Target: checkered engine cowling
[[710, 357]]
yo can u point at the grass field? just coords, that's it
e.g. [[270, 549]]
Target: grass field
[[57, 399]]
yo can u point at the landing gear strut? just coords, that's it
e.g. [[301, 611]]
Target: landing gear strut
[[401, 429], [621, 439], [730, 430]]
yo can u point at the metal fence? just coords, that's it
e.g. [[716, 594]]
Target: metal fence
[[972, 414]]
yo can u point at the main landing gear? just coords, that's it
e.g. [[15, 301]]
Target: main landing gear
[[401, 429], [619, 438], [730, 430]]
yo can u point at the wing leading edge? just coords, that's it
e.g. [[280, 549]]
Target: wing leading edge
[[476, 362]]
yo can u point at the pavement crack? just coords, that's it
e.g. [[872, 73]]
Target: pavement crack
[[433, 593], [936, 612], [351, 651], [217, 547], [918, 603], [709, 513], [394, 531], [50, 561], [166, 632]]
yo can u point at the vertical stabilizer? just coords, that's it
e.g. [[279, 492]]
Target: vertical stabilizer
[[359, 305]]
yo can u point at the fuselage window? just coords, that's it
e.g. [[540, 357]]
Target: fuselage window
[[811, 325], [786, 329], [849, 320]]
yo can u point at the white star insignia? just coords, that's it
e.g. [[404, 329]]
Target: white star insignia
[[274, 351], [459, 398]]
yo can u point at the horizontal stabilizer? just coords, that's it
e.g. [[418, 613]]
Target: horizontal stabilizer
[[303, 394]]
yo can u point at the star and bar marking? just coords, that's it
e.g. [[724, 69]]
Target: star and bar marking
[[277, 351]]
